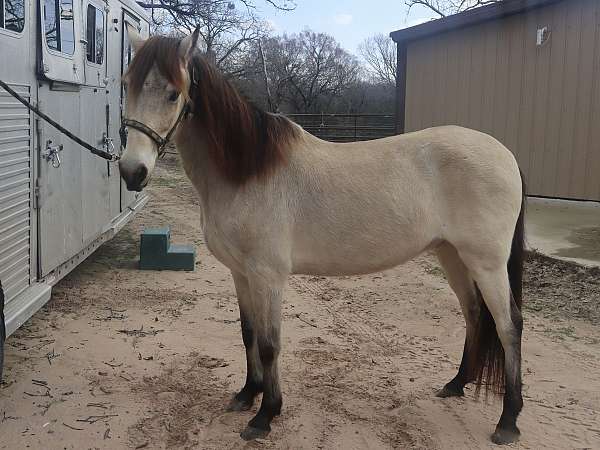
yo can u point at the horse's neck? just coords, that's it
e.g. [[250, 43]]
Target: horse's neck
[[214, 190], [200, 169]]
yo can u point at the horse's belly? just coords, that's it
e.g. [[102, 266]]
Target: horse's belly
[[359, 256]]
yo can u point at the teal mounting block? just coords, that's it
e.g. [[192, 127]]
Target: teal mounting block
[[157, 252]]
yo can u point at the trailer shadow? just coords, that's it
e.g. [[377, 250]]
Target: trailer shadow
[[121, 252]]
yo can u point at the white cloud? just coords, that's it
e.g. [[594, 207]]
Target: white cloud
[[343, 19]]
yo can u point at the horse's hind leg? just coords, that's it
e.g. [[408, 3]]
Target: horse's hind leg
[[495, 288], [244, 399], [462, 284]]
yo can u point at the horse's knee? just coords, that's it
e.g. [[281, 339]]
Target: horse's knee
[[268, 349], [247, 332]]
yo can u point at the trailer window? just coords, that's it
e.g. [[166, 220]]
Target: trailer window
[[95, 34], [12, 15], [58, 25]]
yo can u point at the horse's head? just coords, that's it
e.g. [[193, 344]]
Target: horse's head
[[157, 84]]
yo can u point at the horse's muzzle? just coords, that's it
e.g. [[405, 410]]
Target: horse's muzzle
[[136, 179]]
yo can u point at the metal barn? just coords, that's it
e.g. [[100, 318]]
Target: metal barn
[[526, 72], [58, 202]]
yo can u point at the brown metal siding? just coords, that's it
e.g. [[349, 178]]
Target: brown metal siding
[[542, 102]]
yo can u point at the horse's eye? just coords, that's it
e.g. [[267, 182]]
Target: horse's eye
[[173, 96]]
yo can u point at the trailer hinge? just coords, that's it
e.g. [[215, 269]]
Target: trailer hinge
[[36, 183], [36, 195]]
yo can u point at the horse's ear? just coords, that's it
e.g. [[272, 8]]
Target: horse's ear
[[188, 44], [135, 39]]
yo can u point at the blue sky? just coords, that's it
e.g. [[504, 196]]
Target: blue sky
[[349, 21]]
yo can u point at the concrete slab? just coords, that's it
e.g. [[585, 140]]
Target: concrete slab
[[564, 229]]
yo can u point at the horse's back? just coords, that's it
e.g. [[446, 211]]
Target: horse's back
[[439, 163]]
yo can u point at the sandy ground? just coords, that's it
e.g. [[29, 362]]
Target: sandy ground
[[127, 359]]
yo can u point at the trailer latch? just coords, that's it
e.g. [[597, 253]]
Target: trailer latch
[[51, 153]]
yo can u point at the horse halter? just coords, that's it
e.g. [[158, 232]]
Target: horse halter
[[161, 142]]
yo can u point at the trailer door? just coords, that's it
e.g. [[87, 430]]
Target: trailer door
[[127, 197], [59, 176], [95, 188]]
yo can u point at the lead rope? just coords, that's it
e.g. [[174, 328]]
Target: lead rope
[[96, 151]]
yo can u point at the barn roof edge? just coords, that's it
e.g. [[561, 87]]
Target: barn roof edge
[[467, 18]]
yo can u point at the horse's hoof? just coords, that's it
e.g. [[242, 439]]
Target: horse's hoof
[[251, 433], [450, 391], [503, 436], [236, 405]]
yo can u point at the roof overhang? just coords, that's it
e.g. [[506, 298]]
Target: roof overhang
[[475, 16]]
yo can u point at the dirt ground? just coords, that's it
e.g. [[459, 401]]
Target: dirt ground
[[122, 358]]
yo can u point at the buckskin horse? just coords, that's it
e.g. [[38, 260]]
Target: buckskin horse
[[277, 201]]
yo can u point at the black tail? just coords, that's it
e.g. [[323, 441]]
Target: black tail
[[486, 354], [517, 254]]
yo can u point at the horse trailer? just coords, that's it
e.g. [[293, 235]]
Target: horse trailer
[[58, 202]]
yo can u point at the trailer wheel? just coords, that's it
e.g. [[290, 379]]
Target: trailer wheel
[[2, 330]]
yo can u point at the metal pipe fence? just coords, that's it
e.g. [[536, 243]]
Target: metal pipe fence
[[347, 127]]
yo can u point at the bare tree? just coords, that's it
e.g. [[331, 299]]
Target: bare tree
[[182, 6], [445, 8], [366, 97], [227, 28], [307, 71], [379, 54]]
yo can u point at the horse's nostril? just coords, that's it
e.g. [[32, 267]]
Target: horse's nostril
[[135, 177], [140, 175]]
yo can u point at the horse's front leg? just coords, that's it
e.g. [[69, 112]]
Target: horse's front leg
[[266, 294], [244, 399]]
